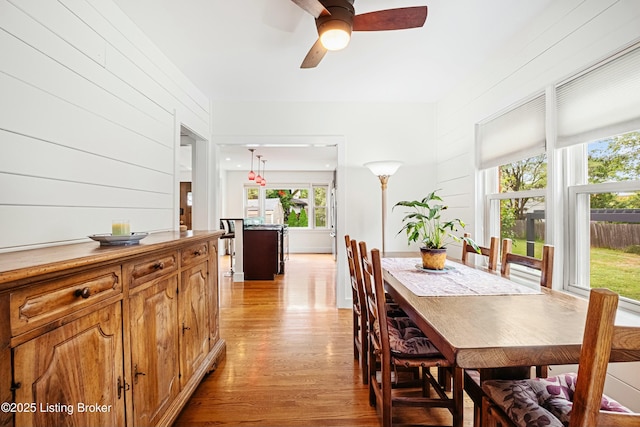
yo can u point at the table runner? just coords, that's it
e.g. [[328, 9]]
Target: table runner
[[457, 280]]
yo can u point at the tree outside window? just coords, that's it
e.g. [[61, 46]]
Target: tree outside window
[[615, 159], [298, 207], [294, 204], [524, 212]]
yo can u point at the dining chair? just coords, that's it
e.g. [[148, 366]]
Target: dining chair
[[393, 309], [360, 334], [574, 400], [544, 265], [397, 344], [491, 252]]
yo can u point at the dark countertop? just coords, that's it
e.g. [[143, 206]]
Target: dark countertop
[[266, 227]]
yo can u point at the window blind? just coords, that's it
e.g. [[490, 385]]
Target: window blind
[[515, 135], [602, 102]]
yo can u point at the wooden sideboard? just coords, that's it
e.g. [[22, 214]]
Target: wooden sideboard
[[108, 336]]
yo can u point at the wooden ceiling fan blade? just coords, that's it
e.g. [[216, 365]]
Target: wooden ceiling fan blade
[[314, 7], [315, 55], [391, 19]]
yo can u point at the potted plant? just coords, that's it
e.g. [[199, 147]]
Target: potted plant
[[424, 224]]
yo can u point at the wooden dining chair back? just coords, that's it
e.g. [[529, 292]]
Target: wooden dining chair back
[[602, 338], [544, 264], [492, 252], [360, 337], [580, 402], [397, 344]]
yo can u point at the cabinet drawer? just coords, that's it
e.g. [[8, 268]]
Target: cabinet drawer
[[47, 301], [149, 268], [194, 253]]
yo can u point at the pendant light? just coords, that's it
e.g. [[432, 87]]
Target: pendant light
[[252, 174], [258, 177], [264, 181]]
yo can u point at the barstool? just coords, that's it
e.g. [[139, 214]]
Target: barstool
[[229, 234]]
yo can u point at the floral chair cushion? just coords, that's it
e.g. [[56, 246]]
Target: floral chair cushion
[[408, 341], [540, 401]]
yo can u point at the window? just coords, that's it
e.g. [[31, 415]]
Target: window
[[517, 207], [291, 205], [320, 206], [511, 150], [606, 205], [598, 114], [252, 202], [594, 177]]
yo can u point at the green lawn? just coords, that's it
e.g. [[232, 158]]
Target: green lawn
[[616, 270]]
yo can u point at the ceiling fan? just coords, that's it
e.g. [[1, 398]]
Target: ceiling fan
[[335, 19]]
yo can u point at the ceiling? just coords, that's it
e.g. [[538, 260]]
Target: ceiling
[[251, 50]]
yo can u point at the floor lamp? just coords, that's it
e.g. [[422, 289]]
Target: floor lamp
[[383, 170]]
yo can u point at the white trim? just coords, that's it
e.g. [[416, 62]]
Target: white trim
[[578, 226], [538, 192], [606, 187]]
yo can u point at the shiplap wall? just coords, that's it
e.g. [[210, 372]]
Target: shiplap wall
[[90, 114], [569, 36]]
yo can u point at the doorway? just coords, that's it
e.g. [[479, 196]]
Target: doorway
[[185, 205], [196, 167]]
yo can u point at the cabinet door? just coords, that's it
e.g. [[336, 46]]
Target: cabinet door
[[194, 319], [73, 373], [154, 350]]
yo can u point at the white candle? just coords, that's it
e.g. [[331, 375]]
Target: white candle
[[120, 227]]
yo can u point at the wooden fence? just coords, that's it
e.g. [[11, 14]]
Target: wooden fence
[[614, 236], [603, 234]]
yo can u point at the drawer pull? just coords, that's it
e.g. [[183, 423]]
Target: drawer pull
[[197, 253], [84, 293], [158, 265], [184, 328]]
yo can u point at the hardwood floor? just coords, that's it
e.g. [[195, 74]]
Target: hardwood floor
[[289, 356]]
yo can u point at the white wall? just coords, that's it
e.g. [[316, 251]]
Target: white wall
[[370, 132], [569, 36], [89, 123]]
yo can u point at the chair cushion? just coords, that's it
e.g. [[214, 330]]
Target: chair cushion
[[540, 401], [407, 341]]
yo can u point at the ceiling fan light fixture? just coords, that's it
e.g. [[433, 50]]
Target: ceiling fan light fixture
[[335, 34]]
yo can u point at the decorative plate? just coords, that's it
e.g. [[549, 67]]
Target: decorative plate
[[111, 240], [447, 268]]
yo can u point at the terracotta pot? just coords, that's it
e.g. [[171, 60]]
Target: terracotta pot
[[433, 259]]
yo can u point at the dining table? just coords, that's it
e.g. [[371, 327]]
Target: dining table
[[487, 323]]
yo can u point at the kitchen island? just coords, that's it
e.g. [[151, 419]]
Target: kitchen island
[[265, 250]]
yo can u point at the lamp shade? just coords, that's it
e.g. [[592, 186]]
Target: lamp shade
[[335, 34], [383, 167]]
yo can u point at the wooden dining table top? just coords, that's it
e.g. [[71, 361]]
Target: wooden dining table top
[[497, 331]]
